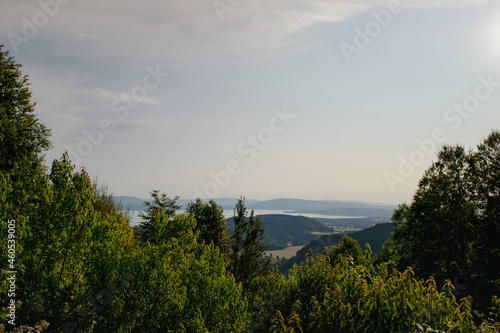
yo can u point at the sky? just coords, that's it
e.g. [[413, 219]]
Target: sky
[[346, 100]]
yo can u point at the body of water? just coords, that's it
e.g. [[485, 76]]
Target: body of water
[[229, 213]]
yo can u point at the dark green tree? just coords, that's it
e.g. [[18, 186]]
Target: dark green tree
[[23, 139], [451, 228], [247, 257], [211, 224], [159, 213], [240, 229], [486, 181], [252, 258], [435, 233]]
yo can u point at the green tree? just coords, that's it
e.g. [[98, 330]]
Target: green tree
[[179, 285], [253, 261], [66, 250], [240, 229], [159, 212], [451, 228], [347, 247], [486, 181], [247, 257], [23, 139], [211, 224]]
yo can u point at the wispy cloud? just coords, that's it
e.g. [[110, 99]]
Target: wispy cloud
[[106, 95], [176, 31], [440, 4]]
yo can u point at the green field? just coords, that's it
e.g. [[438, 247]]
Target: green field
[[285, 253]]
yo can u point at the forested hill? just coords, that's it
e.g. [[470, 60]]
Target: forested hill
[[286, 230], [376, 236]]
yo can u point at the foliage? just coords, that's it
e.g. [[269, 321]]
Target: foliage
[[23, 138], [321, 297], [211, 224], [39, 327], [451, 228], [177, 284], [64, 248], [347, 247], [247, 256], [158, 213]]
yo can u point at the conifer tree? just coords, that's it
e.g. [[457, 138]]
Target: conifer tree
[[247, 257], [160, 211], [23, 138]]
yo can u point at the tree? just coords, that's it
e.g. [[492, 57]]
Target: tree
[[451, 228], [247, 257], [252, 258], [159, 213], [211, 224], [66, 250], [347, 246], [23, 138], [486, 181]]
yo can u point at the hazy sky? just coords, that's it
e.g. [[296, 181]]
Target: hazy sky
[[304, 99]]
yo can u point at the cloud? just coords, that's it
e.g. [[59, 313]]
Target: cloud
[[442, 4], [173, 31], [106, 95]]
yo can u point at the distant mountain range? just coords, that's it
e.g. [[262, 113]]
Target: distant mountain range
[[322, 207], [317, 205]]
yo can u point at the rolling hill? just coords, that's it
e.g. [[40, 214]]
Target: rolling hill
[[376, 236], [286, 230]]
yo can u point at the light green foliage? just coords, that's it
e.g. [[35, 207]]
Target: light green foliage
[[179, 285], [366, 298], [65, 249]]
